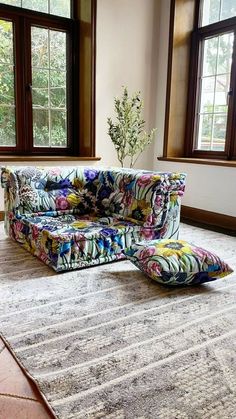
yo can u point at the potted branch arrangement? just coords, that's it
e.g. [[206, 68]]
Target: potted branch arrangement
[[127, 133]]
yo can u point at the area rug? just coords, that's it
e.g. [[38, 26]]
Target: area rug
[[106, 342]]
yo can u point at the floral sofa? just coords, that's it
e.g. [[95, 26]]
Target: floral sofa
[[74, 217]]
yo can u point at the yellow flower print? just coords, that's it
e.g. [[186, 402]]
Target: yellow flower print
[[156, 177], [44, 238], [73, 199], [174, 247], [175, 176], [78, 183], [143, 205], [55, 246], [80, 224], [140, 209], [173, 197]]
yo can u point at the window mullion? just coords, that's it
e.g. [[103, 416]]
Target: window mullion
[[28, 86], [19, 84]]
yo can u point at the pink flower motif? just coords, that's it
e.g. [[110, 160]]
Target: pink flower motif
[[144, 180], [147, 233], [158, 200], [198, 251], [54, 171], [149, 220], [164, 230], [120, 256], [43, 256], [154, 269], [35, 232], [16, 230], [17, 226], [61, 203], [127, 199], [147, 252]]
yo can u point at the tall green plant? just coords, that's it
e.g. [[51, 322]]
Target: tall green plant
[[127, 133]]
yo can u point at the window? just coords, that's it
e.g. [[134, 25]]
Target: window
[[211, 118], [53, 7], [40, 76]]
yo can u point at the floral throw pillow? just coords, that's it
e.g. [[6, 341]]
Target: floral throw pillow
[[177, 262]]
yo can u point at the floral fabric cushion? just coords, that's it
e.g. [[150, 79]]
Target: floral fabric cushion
[[133, 194], [70, 241], [177, 262]]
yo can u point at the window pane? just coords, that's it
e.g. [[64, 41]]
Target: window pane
[[210, 56], [40, 98], [221, 93], [16, 3], [219, 132], [58, 130], [7, 126], [41, 128], [7, 94], [207, 97], [7, 84], [37, 5], [216, 10], [205, 132], [58, 50], [49, 96], [213, 107], [57, 78], [6, 42], [53, 7], [60, 8], [40, 77], [58, 98], [228, 9], [39, 47], [224, 60]]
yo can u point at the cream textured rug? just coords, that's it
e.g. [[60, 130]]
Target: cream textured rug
[[106, 342]]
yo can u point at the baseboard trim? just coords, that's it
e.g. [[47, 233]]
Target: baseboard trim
[[208, 218], [1, 215]]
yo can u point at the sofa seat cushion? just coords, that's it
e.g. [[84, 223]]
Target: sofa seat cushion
[[69, 241]]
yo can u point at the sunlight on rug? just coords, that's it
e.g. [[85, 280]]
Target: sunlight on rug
[[108, 342]]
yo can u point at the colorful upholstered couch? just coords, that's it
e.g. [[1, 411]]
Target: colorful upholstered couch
[[74, 217]]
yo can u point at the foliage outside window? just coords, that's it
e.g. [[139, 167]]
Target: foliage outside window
[[36, 77], [212, 106]]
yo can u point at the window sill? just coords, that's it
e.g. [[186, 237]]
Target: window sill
[[210, 162], [15, 158]]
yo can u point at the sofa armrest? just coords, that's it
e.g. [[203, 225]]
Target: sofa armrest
[[144, 195], [11, 189]]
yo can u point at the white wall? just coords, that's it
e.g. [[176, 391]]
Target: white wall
[[212, 188], [126, 56]]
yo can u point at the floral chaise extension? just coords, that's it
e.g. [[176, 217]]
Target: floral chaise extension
[[75, 217]]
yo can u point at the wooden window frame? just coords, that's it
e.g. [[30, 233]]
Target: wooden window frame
[[23, 19], [199, 34]]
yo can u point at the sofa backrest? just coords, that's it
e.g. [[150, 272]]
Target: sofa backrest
[[128, 193], [44, 189]]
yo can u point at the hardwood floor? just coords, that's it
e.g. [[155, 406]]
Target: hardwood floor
[[19, 396]]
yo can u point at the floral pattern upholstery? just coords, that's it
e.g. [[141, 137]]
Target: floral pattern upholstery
[[177, 262], [75, 217]]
